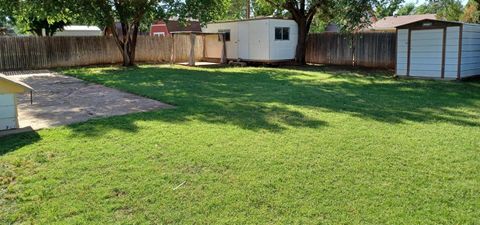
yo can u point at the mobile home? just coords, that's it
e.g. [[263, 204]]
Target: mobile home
[[438, 49], [256, 40]]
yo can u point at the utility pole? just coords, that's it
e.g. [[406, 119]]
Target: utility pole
[[248, 9]]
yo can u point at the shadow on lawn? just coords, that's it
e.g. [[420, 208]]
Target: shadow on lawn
[[12, 142], [268, 99]]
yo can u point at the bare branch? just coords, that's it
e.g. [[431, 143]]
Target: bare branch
[[290, 6], [314, 8]]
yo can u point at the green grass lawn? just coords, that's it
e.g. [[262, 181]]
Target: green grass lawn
[[255, 146]]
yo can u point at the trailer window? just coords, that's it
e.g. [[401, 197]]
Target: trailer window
[[227, 34], [282, 33]]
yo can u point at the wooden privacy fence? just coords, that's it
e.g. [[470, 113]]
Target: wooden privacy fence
[[17, 53], [372, 49], [366, 49]]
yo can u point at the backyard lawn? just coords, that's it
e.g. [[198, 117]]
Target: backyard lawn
[[306, 145]]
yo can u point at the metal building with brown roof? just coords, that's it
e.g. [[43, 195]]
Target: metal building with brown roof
[[438, 49]]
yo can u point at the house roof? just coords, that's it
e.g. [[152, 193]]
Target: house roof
[[176, 26], [10, 86], [255, 18], [390, 22]]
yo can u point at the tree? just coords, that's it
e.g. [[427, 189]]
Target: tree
[[237, 9], [348, 14], [129, 14], [34, 16], [318, 25], [445, 9], [262, 8], [407, 9], [132, 13], [5, 12], [471, 13], [384, 8], [38, 26]]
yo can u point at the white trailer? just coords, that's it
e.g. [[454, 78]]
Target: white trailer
[[256, 40], [438, 49]]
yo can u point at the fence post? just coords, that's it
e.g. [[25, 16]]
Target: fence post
[[172, 54], [223, 60], [191, 60]]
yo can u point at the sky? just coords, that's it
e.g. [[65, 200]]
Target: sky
[[422, 1]]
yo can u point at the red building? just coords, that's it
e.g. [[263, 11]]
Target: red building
[[161, 28]]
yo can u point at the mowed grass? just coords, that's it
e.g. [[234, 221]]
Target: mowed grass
[[255, 146]]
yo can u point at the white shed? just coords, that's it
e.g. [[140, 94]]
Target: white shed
[[438, 49], [8, 102], [257, 40]]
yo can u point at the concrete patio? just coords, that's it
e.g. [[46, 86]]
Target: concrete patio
[[61, 100]]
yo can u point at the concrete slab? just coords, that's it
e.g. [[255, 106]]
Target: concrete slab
[[61, 100]]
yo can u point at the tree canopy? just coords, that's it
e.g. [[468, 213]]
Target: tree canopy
[[237, 9], [384, 8], [406, 9], [36, 15], [471, 13], [131, 14], [445, 9]]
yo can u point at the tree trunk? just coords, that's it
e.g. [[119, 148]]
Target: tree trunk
[[304, 19], [126, 56], [133, 43], [37, 32], [302, 41], [127, 43]]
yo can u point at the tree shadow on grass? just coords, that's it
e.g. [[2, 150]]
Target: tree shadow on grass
[[12, 142], [245, 116], [274, 99]]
